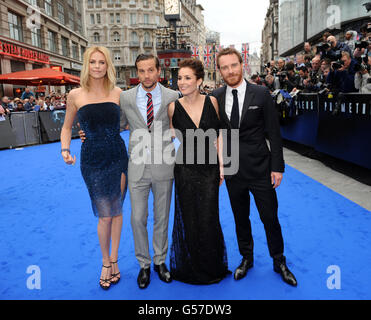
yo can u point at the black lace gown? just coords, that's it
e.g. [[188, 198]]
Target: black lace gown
[[198, 253], [103, 157]]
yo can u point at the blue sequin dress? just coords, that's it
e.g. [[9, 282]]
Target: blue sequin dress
[[103, 157]]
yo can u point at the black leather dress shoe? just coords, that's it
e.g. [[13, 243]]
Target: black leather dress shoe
[[242, 269], [285, 273], [144, 278], [163, 273]]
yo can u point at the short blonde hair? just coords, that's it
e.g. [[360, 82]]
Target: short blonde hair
[[110, 78]]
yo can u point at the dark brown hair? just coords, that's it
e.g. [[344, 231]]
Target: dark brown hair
[[226, 52], [144, 57], [195, 65]]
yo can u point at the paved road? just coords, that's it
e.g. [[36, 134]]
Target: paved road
[[340, 183]]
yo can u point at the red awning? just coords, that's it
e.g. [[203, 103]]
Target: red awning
[[37, 77]]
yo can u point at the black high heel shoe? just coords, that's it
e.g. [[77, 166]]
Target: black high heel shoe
[[105, 283], [115, 275]]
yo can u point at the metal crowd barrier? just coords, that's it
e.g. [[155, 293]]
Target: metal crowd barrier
[[337, 126], [30, 128]]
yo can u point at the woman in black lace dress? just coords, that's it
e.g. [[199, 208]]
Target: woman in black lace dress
[[198, 254]]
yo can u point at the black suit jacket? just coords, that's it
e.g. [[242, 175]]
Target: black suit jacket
[[259, 121]]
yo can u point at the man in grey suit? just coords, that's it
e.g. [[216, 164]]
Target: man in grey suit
[[144, 109]]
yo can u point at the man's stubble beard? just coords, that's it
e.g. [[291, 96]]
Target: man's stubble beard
[[232, 84]]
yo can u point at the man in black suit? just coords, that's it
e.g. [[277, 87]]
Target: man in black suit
[[250, 109]]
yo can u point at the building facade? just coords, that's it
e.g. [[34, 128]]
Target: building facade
[[307, 20], [269, 49], [126, 28], [130, 27], [212, 76], [38, 34]]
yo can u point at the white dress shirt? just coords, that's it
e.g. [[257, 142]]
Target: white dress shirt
[[142, 100], [229, 98]]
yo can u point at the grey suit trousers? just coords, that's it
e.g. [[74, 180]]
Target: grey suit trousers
[[139, 195]]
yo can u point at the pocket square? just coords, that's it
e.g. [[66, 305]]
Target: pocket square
[[254, 107]]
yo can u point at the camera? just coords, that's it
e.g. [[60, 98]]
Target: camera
[[337, 64], [362, 64], [282, 76], [274, 70], [362, 44], [323, 47], [267, 66]]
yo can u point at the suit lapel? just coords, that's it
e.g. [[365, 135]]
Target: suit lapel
[[249, 95], [222, 107], [133, 102], [163, 102]]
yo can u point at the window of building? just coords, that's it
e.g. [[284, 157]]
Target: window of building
[[145, 3], [134, 37], [147, 39], [98, 18], [90, 3], [96, 37], [52, 41], [36, 37], [116, 37], [133, 72], [82, 49], [79, 25], [146, 18], [60, 13], [71, 20], [65, 47], [134, 55], [48, 7], [32, 2], [132, 2], [92, 19], [98, 3], [118, 18], [133, 18], [75, 53], [117, 56], [15, 26]]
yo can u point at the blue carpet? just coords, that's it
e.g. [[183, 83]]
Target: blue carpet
[[46, 221]]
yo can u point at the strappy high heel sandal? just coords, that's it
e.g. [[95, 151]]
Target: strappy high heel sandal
[[105, 283], [115, 275]]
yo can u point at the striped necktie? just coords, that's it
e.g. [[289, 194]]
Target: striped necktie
[[149, 110]]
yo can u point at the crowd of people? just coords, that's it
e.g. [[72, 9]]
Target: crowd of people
[[332, 65], [31, 102]]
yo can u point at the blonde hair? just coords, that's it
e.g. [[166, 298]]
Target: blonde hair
[[110, 77]]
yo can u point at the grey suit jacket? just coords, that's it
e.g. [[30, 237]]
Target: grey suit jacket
[[154, 144]]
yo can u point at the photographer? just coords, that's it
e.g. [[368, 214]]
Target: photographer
[[363, 47], [289, 80], [272, 82], [336, 48], [350, 39], [281, 65], [342, 74], [305, 83], [363, 77], [270, 68]]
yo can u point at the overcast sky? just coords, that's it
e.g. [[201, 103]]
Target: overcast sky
[[238, 21]]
